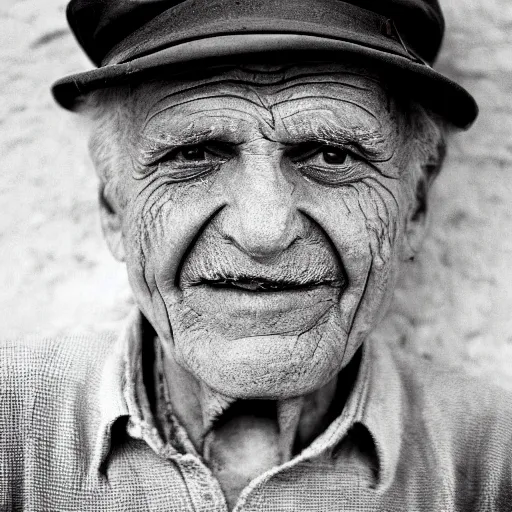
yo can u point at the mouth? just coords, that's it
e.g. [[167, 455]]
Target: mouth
[[263, 285], [256, 304]]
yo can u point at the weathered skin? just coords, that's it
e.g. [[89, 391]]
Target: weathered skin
[[263, 215]]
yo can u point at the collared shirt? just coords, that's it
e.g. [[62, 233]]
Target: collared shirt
[[75, 435]]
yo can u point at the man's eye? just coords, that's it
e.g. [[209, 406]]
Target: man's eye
[[321, 156], [193, 153], [329, 156], [334, 156], [193, 161], [330, 165]]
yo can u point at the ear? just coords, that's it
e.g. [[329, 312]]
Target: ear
[[112, 226], [416, 221]]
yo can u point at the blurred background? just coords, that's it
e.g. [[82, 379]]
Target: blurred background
[[454, 303]]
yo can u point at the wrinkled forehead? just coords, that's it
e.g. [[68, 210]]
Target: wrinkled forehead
[[289, 95]]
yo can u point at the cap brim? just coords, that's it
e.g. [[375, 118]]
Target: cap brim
[[416, 80]]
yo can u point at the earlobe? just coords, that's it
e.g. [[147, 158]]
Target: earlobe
[[111, 224]]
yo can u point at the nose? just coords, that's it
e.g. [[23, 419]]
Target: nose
[[261, 218]]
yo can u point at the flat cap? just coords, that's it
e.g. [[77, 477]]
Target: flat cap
[[132, 39]]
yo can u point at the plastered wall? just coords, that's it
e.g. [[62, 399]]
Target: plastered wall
[[454, 302]]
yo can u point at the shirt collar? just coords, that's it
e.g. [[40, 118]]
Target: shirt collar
[[109, 400], [381, 410], [374, 402]]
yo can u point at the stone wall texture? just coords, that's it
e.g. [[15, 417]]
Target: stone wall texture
[[454, 303]]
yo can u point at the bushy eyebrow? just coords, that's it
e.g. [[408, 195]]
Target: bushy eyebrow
[[370, 144], [150, 149], [315, 125]]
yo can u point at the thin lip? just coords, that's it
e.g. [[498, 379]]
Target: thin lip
[[230, 284], [241, 302]]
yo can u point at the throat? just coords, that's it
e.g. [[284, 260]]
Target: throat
[[241, 439], [251, 437]]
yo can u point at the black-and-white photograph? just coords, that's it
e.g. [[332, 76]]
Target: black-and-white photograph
[[256, 255]]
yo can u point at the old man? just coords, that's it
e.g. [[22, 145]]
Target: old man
[[264, 169]]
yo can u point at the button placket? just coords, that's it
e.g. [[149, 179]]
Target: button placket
[[204, 490]]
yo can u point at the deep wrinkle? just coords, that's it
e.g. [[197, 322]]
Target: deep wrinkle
[[193, 125], [259, 76], [364, 141], [255, 87]]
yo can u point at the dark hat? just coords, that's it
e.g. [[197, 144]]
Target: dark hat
[[132, 39]]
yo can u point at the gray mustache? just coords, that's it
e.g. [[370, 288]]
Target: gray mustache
[[304, 266]]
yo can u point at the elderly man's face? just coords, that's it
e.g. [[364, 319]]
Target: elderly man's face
[[263, 215]]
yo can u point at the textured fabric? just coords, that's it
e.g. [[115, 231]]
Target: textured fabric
[[76, 435]]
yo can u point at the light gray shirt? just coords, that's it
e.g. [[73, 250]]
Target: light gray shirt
[[75, 435]]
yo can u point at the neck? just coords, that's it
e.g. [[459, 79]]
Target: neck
[[241, 439], [203, 411]]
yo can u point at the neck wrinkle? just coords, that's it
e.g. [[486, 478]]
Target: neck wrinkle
[[199, 409]]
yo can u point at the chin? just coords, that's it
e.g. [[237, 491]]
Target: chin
[[264, 366]]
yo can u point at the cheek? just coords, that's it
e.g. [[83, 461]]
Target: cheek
[[365, 222], [382, 208], [379, 211], [161, 223]]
